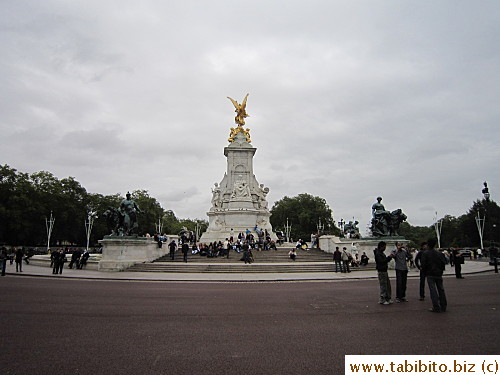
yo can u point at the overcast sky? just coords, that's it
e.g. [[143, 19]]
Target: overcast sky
[[348, 100]]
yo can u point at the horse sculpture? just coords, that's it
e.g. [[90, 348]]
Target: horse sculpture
[[114, 219]]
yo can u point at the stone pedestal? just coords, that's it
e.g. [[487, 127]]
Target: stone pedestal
[[238, 202], [360, 245], [119, 252]]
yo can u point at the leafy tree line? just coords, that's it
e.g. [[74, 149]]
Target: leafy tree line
[[305, 213], [27, 200], [460, 231]]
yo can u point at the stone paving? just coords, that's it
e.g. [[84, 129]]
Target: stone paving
[[470, 267]]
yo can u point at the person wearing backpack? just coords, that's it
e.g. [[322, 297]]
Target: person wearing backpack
[[346, 259]]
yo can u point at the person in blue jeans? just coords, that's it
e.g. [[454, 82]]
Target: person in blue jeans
[[433, 263]]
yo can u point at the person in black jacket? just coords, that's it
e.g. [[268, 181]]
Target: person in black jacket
[[458, 260], [185, 249], [382, 261], [337, 258], [19, 260], [75, 259], [418, 259], [172, 246], [433, 263], [59, 262], [3, 259], [84, 259]]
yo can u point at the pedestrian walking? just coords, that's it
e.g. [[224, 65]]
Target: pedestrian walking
[[433, 264], [172, 246], [185, 249], [382, 261]]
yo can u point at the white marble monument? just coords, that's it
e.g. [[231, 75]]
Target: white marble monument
[[239, 201]]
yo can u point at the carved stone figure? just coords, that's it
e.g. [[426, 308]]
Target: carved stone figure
[[216, 197], [240, 189], [261, 196]]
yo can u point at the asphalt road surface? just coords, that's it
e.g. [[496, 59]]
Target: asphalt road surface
[[62, 326]]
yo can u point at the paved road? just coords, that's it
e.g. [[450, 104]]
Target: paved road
[[65, 326]]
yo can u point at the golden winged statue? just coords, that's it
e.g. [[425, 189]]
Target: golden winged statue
[[240, 110]]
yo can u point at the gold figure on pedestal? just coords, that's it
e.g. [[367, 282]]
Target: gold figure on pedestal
[[240, 110], [241, 114]]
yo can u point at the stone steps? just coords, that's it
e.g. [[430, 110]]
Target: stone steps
[[280, 255], [272, 261], [238, 268]]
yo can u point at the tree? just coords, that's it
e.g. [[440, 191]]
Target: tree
[[151, 211], [304, 213], [416, 234]]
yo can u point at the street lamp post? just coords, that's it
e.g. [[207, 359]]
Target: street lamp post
[[89, 223], [159, 226], [288, 228], [320, 226], [49, 224], [480, 226], [437, 226]]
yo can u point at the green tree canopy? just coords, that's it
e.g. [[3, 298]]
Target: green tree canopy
[[26, 201], [304, 212]]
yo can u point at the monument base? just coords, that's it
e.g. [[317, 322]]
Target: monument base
[[226, 223], [121, 252], [359, 245]]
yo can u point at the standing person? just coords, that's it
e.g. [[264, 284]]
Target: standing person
[[418, 259], [247, 253], [3, 259], [337, 258], [185, 249], [60, 261], [227, 247], [458, 260], [19, 260], [172, 246], [401, 256], [55, 261], [383, 277], [433, 264], [346, 259]]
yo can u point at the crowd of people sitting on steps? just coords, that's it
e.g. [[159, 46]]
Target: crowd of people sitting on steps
[[244, 243]]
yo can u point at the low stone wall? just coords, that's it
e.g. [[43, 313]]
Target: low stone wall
[[44, 261], [119, 253], [329, 243]]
